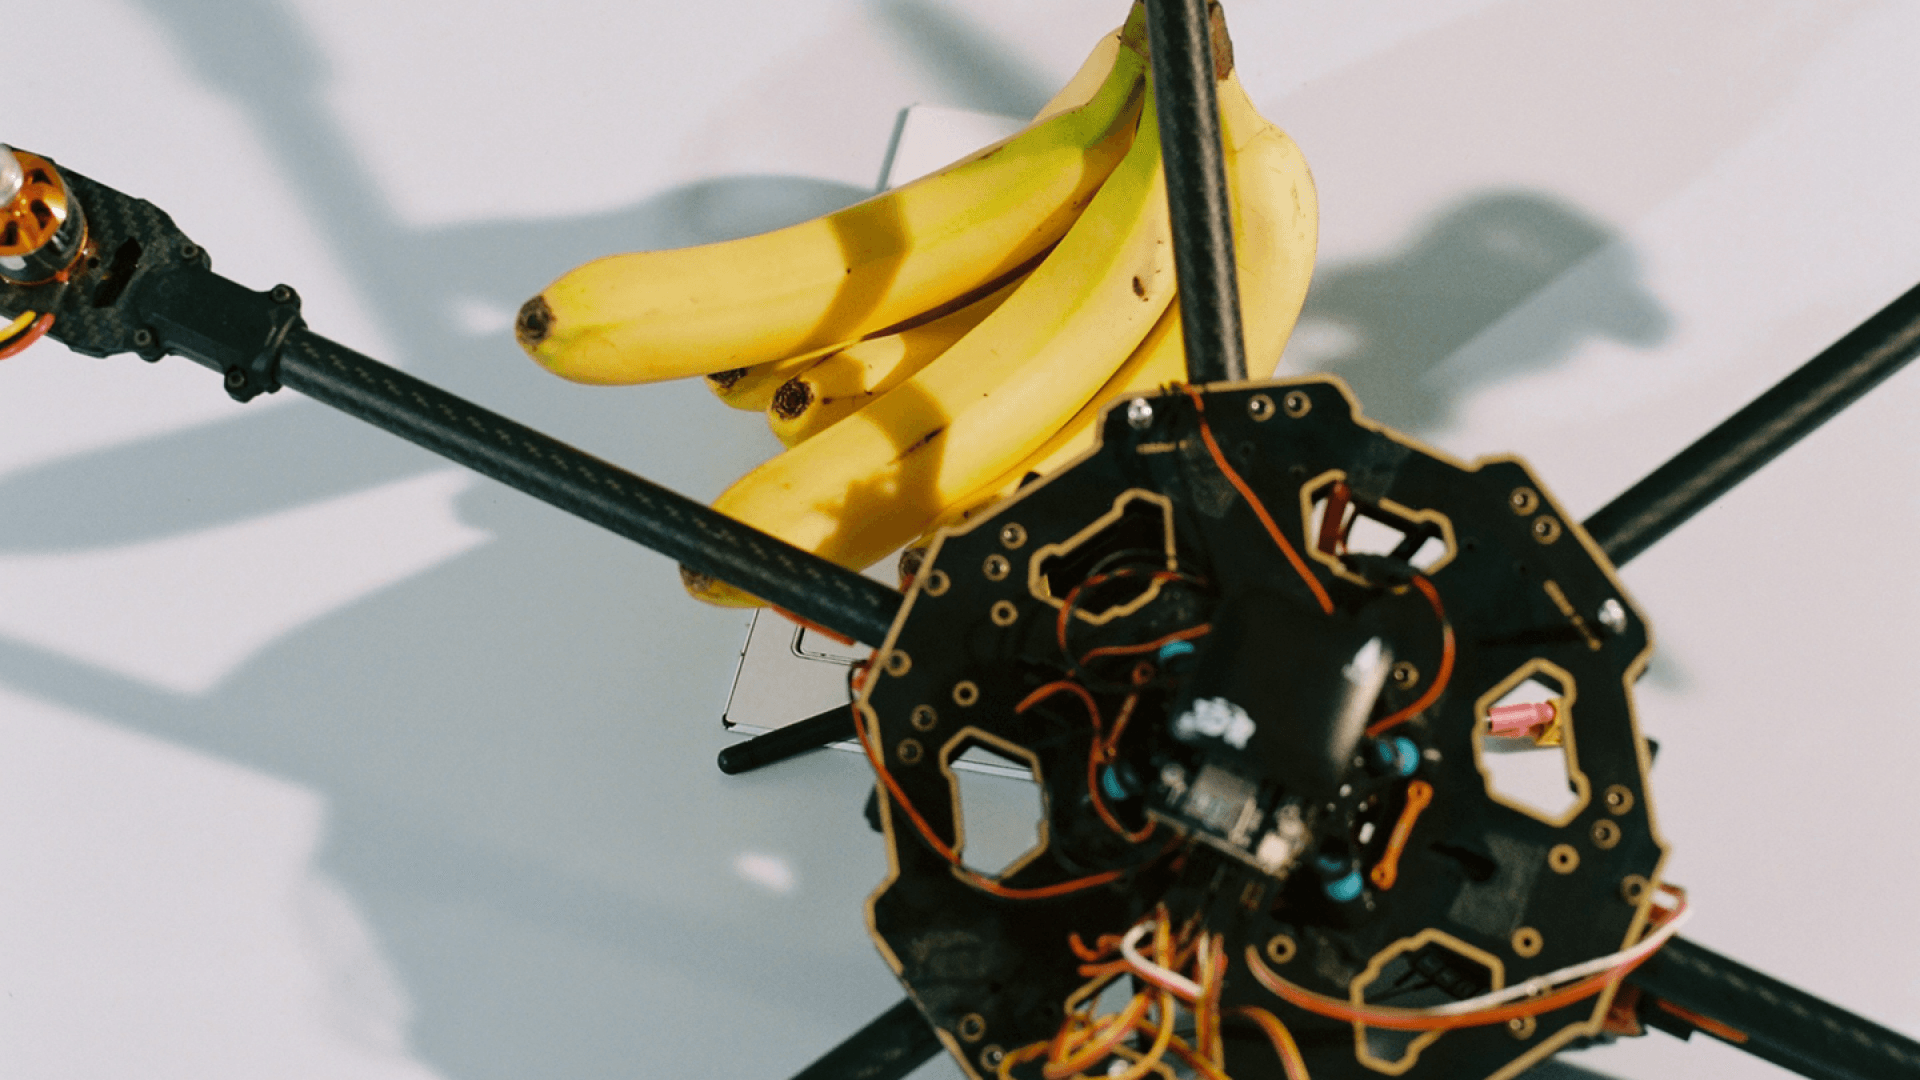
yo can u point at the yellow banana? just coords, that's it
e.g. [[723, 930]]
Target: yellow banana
[[753, 387], [881, 476], [848, 380], [1275, 231], [657, 315]]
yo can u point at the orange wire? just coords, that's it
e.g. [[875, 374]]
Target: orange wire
[[26, 339], [1100, 1045], [1259, 509], [1446, 662], [1387, 870], [1188, 634], [972, 877], [1093, 754], [1281, 1038], [1411, 1020], [1103, 945]]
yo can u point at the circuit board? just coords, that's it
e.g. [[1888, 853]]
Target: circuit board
[[1335, 821]]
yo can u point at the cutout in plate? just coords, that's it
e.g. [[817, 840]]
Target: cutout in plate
[[1002, 821], [1137, 531], [1533, 769]]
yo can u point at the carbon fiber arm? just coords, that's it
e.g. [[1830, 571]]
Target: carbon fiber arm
[[144, 287]]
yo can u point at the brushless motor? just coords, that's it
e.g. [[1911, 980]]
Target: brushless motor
[[42, 230]]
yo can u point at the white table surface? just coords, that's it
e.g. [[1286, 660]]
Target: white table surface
[[321, 758]]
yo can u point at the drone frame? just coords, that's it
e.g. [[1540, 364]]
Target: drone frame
[[140, 285]]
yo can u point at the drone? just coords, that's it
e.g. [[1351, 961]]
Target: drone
[[1258, 737]]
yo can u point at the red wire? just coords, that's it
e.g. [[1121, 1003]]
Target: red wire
[[945, 851], [1446, 662], [27, 337], [1259, 508], [1094, 753]]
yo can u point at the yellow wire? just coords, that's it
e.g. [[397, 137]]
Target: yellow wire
[[19, 324], [1282, 1040]]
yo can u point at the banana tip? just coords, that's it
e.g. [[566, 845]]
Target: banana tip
[[712, 590], [534, 323], [791, 399]]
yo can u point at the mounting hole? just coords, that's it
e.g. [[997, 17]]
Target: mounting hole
[[965, 692], [1297, 404], [991, 1057], [1003, 613], [1260, 407], [1619, 799], [1281, 949], [1563, 858], [971, 1027], [1013, 535], [1546, 529], [1522, 1027], [936, 583], [1527, 942], [996, 568], [909, 752], [924, 718], [1405, 675], [1606, 835], [1633, 888], [898, 663], [1524, 501]]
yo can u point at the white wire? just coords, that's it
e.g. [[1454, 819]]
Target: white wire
[[1540, 984], [1154, 973]]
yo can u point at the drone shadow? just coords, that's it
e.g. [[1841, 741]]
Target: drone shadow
[[1388, 326], [519, 798]]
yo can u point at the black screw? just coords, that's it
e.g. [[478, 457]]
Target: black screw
[[236, 379], [282, 294], [143, 339], [190, 252]]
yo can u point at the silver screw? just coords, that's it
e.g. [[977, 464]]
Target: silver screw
[[1139, 414], [12, 176], [1613, 615]]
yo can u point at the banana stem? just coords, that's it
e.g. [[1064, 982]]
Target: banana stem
[[1186, 62]]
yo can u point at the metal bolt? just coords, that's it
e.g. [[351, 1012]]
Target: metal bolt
[[142, 339], [282, 294], [236, 379], [1139, 414], [190, 252], [1613, 615]]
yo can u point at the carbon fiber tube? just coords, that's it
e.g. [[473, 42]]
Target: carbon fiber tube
[[1636, 519], [834, 725], [894, 1044], [1180, 38], [700, 538], [1771, 1020]]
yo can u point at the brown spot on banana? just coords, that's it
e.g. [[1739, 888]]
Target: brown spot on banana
[[724, 380], [1222, 44], [534, 322], [1139, 288], [921, 442], [791, 399]]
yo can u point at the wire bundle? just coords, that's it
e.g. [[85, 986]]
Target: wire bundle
[[1531, 997]]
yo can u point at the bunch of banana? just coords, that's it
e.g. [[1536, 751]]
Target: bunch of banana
[[921, 352]]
